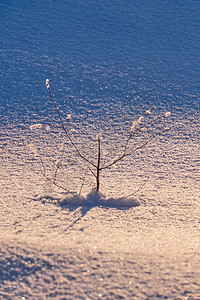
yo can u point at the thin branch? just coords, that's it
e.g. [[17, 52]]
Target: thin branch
[[147, 142], [140, 129], [61, 187], [66, 133], [137, 130], [91, 171], [58, 164], [128, 139], [114, 162], [83, 181], [49, 179], [135, 149], [98, 162], [109, 153]]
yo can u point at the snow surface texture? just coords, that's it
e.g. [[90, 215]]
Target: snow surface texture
[[52, 250], [107, 62]]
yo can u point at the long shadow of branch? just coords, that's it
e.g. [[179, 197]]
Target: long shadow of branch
[[81, 206], [79, 210]]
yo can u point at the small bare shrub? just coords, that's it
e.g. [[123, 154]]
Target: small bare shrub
[[142, 125]]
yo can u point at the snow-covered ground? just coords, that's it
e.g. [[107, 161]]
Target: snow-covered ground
[[107, 62], [152, 251]]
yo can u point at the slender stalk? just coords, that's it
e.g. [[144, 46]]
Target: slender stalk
[[98, 163], [65, 131], [50, 180], [57, 166]]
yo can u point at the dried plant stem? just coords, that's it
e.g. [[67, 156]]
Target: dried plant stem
[[54, 180], [98, 164], [57, 165], [66, 133]]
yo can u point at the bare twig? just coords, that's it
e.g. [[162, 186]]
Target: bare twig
[[133, 150], [83, 181], [49, 179], [58, 164], [148, 141], [65, 130], [100, 165]]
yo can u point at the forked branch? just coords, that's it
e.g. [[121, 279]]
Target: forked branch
[[100, 165]]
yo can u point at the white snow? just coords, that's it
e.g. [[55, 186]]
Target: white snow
[[108, 62], [101, 246]]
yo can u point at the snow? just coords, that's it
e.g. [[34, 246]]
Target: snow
[[92, 249], [108, 63]]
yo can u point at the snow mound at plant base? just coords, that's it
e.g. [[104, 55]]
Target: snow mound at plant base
[[98, 199]]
